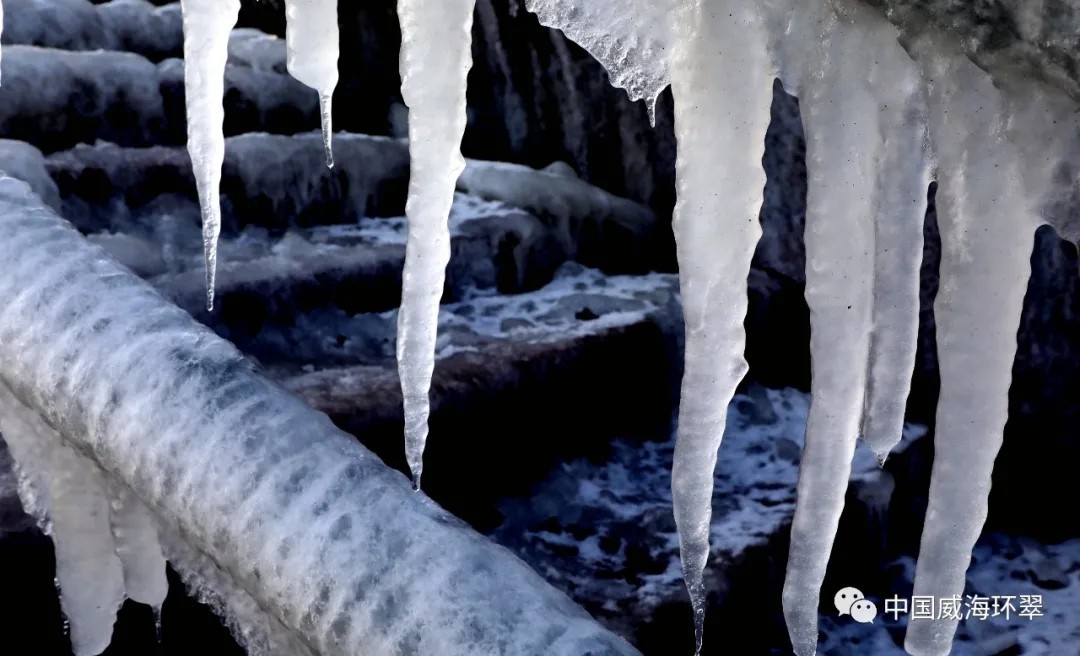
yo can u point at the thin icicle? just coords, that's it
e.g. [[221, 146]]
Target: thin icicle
[[207, 24], [87, 569], [435, 60], [903, 178], [868, 174], [842, 144], [720, 55], [311, 37], [138, 547], [987, 225]]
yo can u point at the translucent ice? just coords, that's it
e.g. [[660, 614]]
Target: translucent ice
[[435, 60], [311, 38], [74, 495], [867, 175], [720, 54], [206, 49]]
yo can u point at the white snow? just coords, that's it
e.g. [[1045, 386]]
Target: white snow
[[720, 54], [311, 37], [206, 50], [435, 61]]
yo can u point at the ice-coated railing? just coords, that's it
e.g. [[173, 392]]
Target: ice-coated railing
[[248, 486]]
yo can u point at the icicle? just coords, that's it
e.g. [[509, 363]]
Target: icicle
[[987, 225], [867, 174], [435, 61], [138, 547], [207, 24], [311, 38], [903, 178], [87, 569], [842, 142], [723, 90]]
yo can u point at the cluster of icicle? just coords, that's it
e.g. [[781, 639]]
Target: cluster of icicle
[[879, 118], [435, 60]]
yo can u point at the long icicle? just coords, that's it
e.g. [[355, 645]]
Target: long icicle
[[207, 24], [987, 227], [842, 143], [311, 40], [720, 55], [903, 179], [436, 56]]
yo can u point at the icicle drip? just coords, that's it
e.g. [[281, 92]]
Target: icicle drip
[[720, 55], [311, 38], [87, 569], [987, 225], [435, 61], [842, 144], [207, 24], [138, 548]]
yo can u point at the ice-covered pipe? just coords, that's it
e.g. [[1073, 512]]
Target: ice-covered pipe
[[327, 539]]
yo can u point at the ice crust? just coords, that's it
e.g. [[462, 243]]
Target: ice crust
[[325, 539]]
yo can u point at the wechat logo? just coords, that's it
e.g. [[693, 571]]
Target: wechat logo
[[850, 601]]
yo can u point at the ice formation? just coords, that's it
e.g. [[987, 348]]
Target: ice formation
[[206, 49], [867, 108], [992, 177], [720, 53], [311, 37], [435, 59], [273, 507], [867, 178], [876, 114], [71, 493]]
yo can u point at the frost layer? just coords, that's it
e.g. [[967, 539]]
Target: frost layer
[[328, 541]]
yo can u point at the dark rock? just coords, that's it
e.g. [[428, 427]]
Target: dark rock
[[267, 180]]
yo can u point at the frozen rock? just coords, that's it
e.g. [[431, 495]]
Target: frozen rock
[[22, 161], [133, 26], [598, 228], [88, 96]]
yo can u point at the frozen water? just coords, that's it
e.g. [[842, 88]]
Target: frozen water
[[435, 62], [868, 174], [73, 493], [206, 50], [311, 38], [720, 54]]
